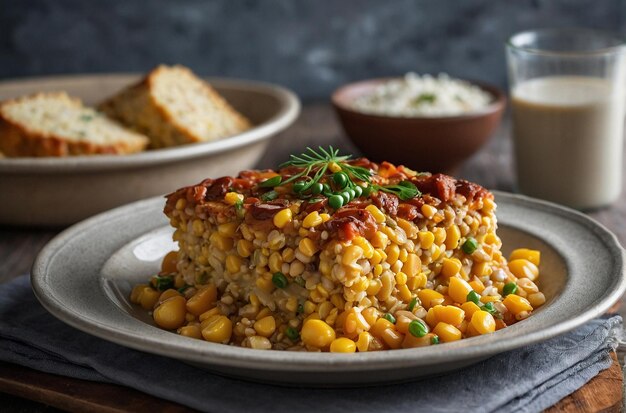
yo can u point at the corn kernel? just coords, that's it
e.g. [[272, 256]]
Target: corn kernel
[[363, 342], [190, 331], [148, 297], [470, 308], [275, 262], [426, 238], [307, 247], [317, 333], [427, 296], [283, 217], [453, 235], [231, 198], [392, 338], [405, 293], [393, 252], [233, 263], [228, 229], [217, 329], [170, 314], [379, 217], [202, 300], [523, 268], [197, 227], [181, 203], [428, 211], [368, 249], [342, 345], [351, 254], [536, 299], [221, 242], [458, 290], [244, 248], [312, 220], [533, 256], [412, 265], [440, 235], [450, 267], [265, 326], [449, 314], [325, 217], [446, 332], [380, 240], [483, 322], [516, 304]]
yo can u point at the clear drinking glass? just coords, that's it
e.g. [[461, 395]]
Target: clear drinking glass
[[568, 96]]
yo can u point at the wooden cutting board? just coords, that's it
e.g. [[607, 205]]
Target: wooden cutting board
[[602, 394]]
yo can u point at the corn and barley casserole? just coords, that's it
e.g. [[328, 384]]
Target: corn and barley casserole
[[341, 255]]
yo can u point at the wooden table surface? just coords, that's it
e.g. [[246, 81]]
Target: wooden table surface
[[491, 167]]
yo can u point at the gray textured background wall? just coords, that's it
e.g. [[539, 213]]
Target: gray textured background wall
[[310, 46]]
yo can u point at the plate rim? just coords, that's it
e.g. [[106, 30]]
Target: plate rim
[[231, 356], [290, 107]]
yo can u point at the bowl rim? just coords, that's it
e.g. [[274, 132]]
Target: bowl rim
[[495, 106], [288, 111]]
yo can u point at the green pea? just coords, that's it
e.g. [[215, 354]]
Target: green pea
[[346, 197], [358, 191], [272, 182], [340, 179], [351, 192], [367, 191], [335, 201], [474, 297], [269, 196], [327, 191], [292, 333], [299, 186], [389, 318], [434, 340], [412, 304], [317, 188], [279, 280], [469, 246], [509, 288], [417, 328]]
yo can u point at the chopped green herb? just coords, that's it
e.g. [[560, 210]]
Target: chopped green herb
[[488, 307], [469, 246], [434, 340], [184, 288], [405, 190], [269, 196], [279, 280], [389, 318], [300, 309], [163, 283], [271, 182], [239, 209], [300, 281], [417, 328], [425, 98], [412, 304], [86, 118]]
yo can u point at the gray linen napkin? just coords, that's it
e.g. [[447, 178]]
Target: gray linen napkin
[[527, 380]]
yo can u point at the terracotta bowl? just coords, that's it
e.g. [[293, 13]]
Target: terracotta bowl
[[434, 144]]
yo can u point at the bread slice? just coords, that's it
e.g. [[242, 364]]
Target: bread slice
[[55, 124], [173, 106]]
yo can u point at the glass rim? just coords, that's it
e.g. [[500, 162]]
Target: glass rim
[[619, 46]]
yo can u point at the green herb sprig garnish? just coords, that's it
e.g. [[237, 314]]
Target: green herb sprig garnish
[[345, 181]]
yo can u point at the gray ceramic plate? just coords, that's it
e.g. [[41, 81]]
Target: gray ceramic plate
[[61, 191], [85, 275]]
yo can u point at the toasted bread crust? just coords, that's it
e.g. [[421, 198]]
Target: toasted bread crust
[[137, 108], [18, 140]]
